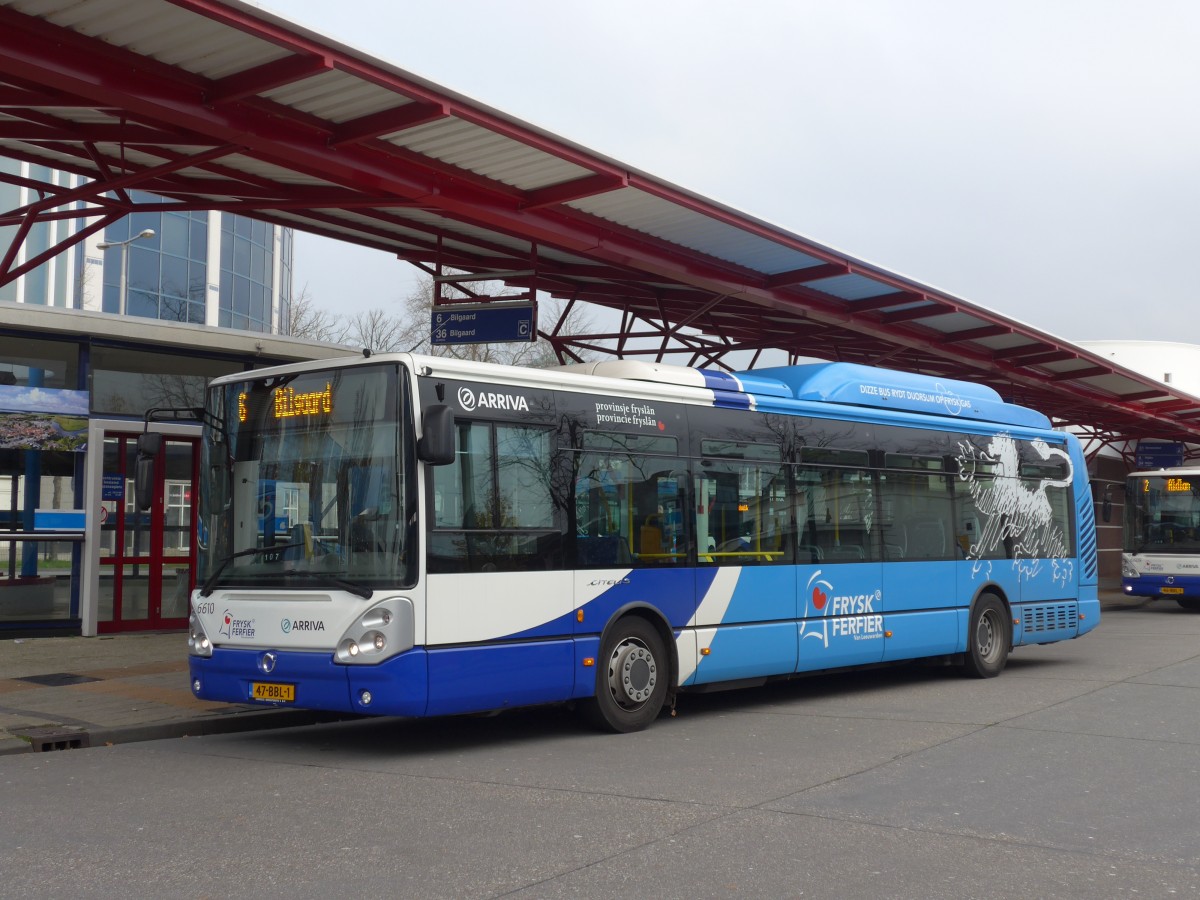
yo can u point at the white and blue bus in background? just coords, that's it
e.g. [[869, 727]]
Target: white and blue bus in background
[[466, 537], [1160, 555]]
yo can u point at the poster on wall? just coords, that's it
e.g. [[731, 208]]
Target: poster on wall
[[37, 418]]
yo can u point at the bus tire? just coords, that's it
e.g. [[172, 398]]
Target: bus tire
[[1189, 603], [989, 638], [632, 672]]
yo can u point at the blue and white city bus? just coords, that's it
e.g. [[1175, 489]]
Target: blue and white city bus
[[1160, 556], [466, 537]]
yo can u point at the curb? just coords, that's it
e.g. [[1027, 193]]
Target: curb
[[230, 724]]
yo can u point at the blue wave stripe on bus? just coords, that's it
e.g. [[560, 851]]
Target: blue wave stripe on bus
[[731, 400], [673, 591], [720, 381]]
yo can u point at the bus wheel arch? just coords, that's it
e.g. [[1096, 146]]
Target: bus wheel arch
[[989, 635], [635, 671]]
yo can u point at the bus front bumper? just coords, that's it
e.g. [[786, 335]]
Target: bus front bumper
[[310, 679], [1169, 587]]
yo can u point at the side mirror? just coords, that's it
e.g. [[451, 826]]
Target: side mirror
[[149, 446], [1106, 504], [436, 445]]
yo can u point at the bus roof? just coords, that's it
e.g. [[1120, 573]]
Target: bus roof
[[845, 383], [772, 389]]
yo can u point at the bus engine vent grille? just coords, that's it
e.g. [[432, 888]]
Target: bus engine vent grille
[[1087, 549], [1051, 617]]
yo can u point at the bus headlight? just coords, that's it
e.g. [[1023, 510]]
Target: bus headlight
[[198, 642], [384, 630], [1127, 569]]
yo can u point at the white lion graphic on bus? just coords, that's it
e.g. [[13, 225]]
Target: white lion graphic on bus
[[1014, 510]]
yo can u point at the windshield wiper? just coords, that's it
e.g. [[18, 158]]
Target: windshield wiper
[[359, 590], [211, 582]]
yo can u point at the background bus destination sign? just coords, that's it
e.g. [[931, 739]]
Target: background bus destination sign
[[482, 323]]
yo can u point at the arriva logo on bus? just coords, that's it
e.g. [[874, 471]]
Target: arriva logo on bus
[[471, 401], [287, 626]]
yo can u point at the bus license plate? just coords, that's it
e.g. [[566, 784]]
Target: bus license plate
[[273, 693], [1175, 590]]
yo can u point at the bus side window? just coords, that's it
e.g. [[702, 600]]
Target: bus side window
[[743, 513], [635, 499]]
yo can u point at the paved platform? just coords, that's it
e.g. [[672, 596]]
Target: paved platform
[[67, 692]]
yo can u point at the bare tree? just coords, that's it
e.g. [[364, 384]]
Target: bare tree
[[313, 323], [408, 329], [378, 331]]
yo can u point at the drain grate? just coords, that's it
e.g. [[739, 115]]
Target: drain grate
[[57, 679], [42, 740]]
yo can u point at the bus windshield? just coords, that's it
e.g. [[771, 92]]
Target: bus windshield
[[306, 485], [1162, 514]]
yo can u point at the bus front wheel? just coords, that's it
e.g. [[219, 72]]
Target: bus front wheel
[[988, 638], [631, 677], [1189, 603]]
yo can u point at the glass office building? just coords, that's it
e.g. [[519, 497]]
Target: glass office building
[[141, 314], [206, 268]]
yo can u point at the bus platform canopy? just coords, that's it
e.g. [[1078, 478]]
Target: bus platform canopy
[[220, 105]]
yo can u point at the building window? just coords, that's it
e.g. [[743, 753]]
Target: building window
[[128, 382], [247, 264], [167, 272]]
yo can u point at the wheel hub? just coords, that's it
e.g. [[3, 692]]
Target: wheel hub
[[985, 636], [632, 675]]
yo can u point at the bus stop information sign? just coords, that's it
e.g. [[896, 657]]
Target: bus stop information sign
[[482, 323], [1159, 454]]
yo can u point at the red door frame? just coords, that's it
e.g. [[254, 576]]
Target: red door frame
[[157, 560]]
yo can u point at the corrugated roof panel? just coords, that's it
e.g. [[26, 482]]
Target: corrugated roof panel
[[135, 156], [435, 223], [675, 223], [484, 152], [83, 115], [1119, 384], [336, 97], [955, 321], [1005, 342], [49, 157], [850, 287], [129, 38], [199, 45], [168, 33], [257, 167]]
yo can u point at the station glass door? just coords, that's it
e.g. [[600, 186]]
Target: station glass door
[[147, 557]]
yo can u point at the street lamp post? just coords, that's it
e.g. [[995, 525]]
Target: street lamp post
[[124, 245]]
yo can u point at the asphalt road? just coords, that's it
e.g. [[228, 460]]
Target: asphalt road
[[1074, 774]]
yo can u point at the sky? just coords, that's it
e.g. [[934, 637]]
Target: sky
[[1040, 158]]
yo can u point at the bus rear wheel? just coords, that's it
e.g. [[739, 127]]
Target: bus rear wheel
[[989, 638], [631, 677]]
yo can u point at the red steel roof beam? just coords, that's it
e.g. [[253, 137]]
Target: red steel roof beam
[[917, 312], [1090, 372], [974, 334], [268, 76], [1142, 395], [885, 301], [577, 189], [389, 121], [1015, 353], [47, 255], [153, 96], [1047, 357]]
